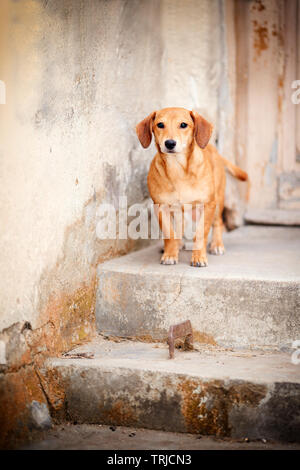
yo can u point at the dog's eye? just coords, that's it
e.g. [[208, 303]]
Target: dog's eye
[[183, 125], [161, 125]]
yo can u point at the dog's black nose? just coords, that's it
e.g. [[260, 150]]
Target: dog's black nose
[[170, 144]]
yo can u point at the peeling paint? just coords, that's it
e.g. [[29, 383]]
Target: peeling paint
[[258, 5], [17, 391], [66, 318], [204, 410], [206, 407], [261, 37], [120, 413]]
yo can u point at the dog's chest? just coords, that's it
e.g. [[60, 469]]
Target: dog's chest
[[185, 188], [184, 191], [175, 185]]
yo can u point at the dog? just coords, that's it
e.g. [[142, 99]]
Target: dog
[[186, 170]]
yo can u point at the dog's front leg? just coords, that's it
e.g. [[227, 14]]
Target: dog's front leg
[[199, 258], [171, 240]]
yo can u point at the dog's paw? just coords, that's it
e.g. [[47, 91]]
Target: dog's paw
[[216, 249], [199, 260], [169, 259]]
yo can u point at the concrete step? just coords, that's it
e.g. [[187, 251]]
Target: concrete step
[[250, 297], [273, 217], [95, 437], [209, 391]]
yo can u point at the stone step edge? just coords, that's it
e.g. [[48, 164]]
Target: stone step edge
[[125, 396]]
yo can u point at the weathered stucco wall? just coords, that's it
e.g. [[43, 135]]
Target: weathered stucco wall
[[298, 77], [191, 65], [78, 74]]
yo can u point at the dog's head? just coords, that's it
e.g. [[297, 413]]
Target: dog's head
[[174, 130]]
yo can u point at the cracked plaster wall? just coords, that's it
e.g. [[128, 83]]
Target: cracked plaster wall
[[79, 76]]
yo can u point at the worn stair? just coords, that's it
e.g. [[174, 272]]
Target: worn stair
[[239, 381], [210, 390], [250, 297]]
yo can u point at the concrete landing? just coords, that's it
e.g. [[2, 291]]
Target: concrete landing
[[95, 437], [250, 297], [210, 391]]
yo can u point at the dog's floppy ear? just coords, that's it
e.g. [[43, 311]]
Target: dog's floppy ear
[[144, 130], [203, 129]]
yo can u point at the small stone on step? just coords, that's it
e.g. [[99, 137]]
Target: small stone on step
[[40, 415]]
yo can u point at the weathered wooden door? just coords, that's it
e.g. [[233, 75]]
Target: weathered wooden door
[[268, 104]]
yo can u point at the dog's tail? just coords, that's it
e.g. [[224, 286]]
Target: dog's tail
[[235, 170]]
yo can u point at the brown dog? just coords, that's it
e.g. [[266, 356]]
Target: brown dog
[[186, 170]]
